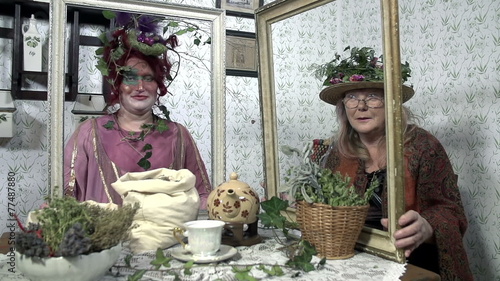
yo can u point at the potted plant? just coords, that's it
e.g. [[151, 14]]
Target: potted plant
[[71, 238], [330, 212]]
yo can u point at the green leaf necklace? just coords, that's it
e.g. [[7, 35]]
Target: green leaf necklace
[[147, 150]]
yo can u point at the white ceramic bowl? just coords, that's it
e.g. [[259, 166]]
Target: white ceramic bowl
[[80, 268]]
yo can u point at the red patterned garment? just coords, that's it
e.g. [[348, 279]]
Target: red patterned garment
[[430, 189]]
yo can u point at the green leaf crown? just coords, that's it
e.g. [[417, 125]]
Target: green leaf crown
[[134, 31]]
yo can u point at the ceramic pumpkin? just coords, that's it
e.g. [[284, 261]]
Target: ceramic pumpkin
[[233, 201]]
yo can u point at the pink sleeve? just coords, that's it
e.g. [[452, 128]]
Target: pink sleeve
[[195, 164], [76, 166]]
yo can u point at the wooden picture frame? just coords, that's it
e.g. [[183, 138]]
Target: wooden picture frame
[[240, 8], [241, 53], [374, 241]]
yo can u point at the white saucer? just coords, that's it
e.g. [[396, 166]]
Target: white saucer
[[224, 253]]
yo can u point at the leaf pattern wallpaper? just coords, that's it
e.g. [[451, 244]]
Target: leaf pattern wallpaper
[[453, 48], [23, 158]]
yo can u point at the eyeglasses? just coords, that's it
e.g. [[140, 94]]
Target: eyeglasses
[[371, 102]]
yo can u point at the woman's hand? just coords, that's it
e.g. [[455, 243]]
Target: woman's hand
[[414, 231]]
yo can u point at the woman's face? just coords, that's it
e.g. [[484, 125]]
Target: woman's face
[[365, 111], [138, 90]]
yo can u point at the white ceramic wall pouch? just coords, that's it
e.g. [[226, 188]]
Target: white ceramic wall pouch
[[32, 46], [7, 109]]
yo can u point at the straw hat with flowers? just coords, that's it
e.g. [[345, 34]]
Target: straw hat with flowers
[[361, 70]]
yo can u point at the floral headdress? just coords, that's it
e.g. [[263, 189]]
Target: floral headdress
[[361, 70], [135, 34]]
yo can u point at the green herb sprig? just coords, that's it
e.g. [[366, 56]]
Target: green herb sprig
[[104, 227], [313, 184]]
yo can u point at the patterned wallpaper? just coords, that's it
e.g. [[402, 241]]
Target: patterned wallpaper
[[23, 158], [457, 58], [452, 46]]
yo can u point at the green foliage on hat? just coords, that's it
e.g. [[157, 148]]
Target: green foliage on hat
[[361, 65], [156, 49]]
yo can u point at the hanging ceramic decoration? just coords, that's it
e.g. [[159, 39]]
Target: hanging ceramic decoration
[[7, 109], [32, 46]]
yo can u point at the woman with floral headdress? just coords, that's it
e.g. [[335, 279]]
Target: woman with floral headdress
[[434, 223], [134, 137]]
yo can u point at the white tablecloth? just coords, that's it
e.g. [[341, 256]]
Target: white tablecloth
[[361, 267]]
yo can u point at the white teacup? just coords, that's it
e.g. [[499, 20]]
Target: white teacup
[[204, 237]]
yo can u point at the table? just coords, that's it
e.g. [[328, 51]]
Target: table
[[414, 273], [362, 266]]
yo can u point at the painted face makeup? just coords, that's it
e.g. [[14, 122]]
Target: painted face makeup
[[132, 78], [138, 90]]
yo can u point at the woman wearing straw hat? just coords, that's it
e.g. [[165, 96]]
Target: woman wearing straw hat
[[133, 137], [434, 223]]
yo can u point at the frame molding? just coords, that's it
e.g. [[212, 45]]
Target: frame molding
[[374, 241], [236, 11], [56, 70]]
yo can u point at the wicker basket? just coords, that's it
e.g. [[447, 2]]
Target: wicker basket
[[332, 230]]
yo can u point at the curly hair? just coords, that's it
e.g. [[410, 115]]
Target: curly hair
[[160, 65]]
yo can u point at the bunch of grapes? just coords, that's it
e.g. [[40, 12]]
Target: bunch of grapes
[[30, 243], [75, 242]]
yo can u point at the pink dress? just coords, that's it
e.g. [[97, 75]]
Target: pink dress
[[95, 157]]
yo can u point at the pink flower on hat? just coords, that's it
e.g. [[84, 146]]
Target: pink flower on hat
[[335, 80], [356, 77]]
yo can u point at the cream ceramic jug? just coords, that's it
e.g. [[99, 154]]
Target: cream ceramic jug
[[234, 202], [32, 46]]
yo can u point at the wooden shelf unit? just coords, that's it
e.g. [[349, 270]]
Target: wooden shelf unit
[[21, 10]]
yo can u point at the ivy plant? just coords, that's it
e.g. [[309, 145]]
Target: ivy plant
[[300, 251]]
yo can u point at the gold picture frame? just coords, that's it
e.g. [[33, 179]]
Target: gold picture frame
[[371, 240]]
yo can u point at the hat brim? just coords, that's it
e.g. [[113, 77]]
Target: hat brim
[[334, 93]]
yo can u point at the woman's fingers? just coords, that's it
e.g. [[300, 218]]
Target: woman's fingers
[[414, 231]]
